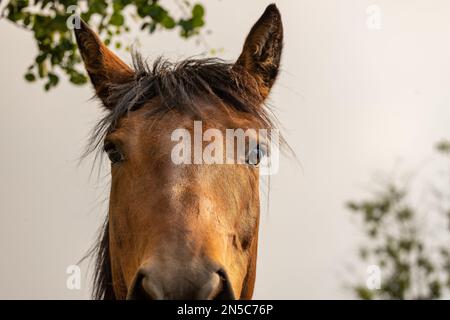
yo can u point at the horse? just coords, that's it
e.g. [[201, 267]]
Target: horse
[[179, 231]]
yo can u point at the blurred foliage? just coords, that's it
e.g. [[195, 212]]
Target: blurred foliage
[[57, 52], [411, 267], [443, 146]]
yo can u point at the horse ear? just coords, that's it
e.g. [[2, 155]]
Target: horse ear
[[105, 69], [262, 49]]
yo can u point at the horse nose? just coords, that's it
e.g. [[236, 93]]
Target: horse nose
[[150, 284]]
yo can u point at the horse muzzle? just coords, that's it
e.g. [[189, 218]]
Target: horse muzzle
[[194, 283]]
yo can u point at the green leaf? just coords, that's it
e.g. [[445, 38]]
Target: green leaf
[[30, 77], [155, 11], [443, 146], [364, 293], [57, 50], [78, 78], [117, 19], [198, 11], [41, 58], [98, 6], [15, 16], [168, 22], [53, 79], [42, 70]]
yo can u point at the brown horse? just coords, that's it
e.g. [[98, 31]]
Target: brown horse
[[174, 231]]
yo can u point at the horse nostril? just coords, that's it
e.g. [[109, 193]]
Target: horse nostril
[[143, 288], [225, 291], [151, 289], [217, 288], [209, 286]]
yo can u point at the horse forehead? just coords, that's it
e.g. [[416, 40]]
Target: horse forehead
[[211, 115]]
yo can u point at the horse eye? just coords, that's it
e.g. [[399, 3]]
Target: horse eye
[[255, 155], [114, 155]]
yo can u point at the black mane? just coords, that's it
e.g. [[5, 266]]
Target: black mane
[[180, 86]]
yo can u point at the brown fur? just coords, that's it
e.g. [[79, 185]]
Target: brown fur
[[180, 220]]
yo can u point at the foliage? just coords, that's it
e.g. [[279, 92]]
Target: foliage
[[57, 52], [412, 266]]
